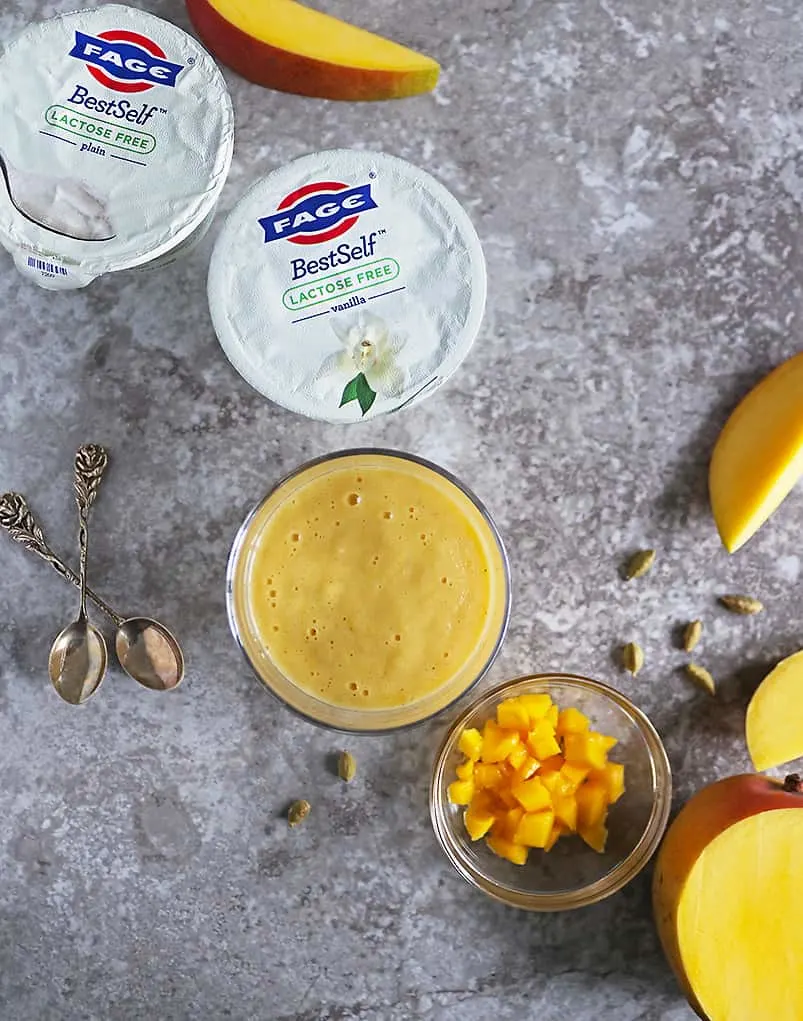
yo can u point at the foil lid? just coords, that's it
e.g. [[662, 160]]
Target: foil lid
[[347, 285], [116, 137]]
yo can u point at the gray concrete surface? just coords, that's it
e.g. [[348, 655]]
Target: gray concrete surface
[[634, 171]]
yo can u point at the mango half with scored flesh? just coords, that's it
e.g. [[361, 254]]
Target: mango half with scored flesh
[[758, 457]]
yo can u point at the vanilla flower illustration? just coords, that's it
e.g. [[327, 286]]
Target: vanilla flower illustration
[[369, 359]]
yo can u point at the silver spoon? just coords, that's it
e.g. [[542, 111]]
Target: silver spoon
[[78, 658], [147, 651], [18, 203]]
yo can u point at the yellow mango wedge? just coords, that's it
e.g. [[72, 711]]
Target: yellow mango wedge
[[774, 724], [758, 457], [287, 46]]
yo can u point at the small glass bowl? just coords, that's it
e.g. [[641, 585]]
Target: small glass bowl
[[303, 702], [571, 875]]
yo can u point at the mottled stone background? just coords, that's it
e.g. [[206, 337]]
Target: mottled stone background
[[634, 171]]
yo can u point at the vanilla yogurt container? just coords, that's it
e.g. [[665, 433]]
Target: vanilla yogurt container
[[347, 285], [116, 137]]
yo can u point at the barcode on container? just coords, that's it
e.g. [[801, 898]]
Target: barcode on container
[[46, 267]]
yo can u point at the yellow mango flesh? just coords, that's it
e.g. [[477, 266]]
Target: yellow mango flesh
[[774, 723], [740, 921], [461, 792], [470, 743], [532, 795], [534, 829], [571, 721], [517, 853], [758, 457], [519, 801], [286, 45]]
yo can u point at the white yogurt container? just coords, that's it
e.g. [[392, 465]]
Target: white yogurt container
[[347, 285], [116, 136]]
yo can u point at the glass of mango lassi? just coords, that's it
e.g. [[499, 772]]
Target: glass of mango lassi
[[369, 590]]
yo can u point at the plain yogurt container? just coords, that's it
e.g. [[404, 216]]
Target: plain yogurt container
[[347, 285], [116, 137]]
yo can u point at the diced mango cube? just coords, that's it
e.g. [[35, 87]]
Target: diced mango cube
[[534, 829], [484, 801], [555, 782], [550, 778], [470, 743], [571, 721], [516, 853], [542, 741], [595, 836], [507, 822], [518, 756], [536, 705], [586, 749], [512, 715], [506, 796], [565, 807], [592, 804], [488, 775], [461, 792], [557, 832], [616, 781], [527, 769], [478, 821], [612, 778], [497, 743], [522, 787], [531, 794], [574, 774]]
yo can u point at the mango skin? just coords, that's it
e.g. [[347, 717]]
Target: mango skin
[[283, 71], [710, 812]]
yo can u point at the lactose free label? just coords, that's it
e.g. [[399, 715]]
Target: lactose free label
[[341, 285], [99, 131]]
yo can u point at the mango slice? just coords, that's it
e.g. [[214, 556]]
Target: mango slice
[[774, 727], [534, 774], [291, 47], [758, 457]]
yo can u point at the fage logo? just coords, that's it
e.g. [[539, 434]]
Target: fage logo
[[317, 212], [125, 61]]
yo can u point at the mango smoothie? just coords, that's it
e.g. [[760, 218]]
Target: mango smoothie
[[369, 590]]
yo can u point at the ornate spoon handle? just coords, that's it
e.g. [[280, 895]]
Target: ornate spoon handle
[[16, 518], [91, 462]]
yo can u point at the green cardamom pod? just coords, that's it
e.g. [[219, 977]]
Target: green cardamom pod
[[745, 605], [638, 565], [346, 767], [298, 812], [702, 677], [692, 634], [633, 657]]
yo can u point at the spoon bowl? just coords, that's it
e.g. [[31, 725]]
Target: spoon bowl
[[147, 651], [77, 662], [149, 654], [96, 228]]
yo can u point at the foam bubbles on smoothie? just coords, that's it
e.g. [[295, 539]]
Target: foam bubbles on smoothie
[[381, 582]]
